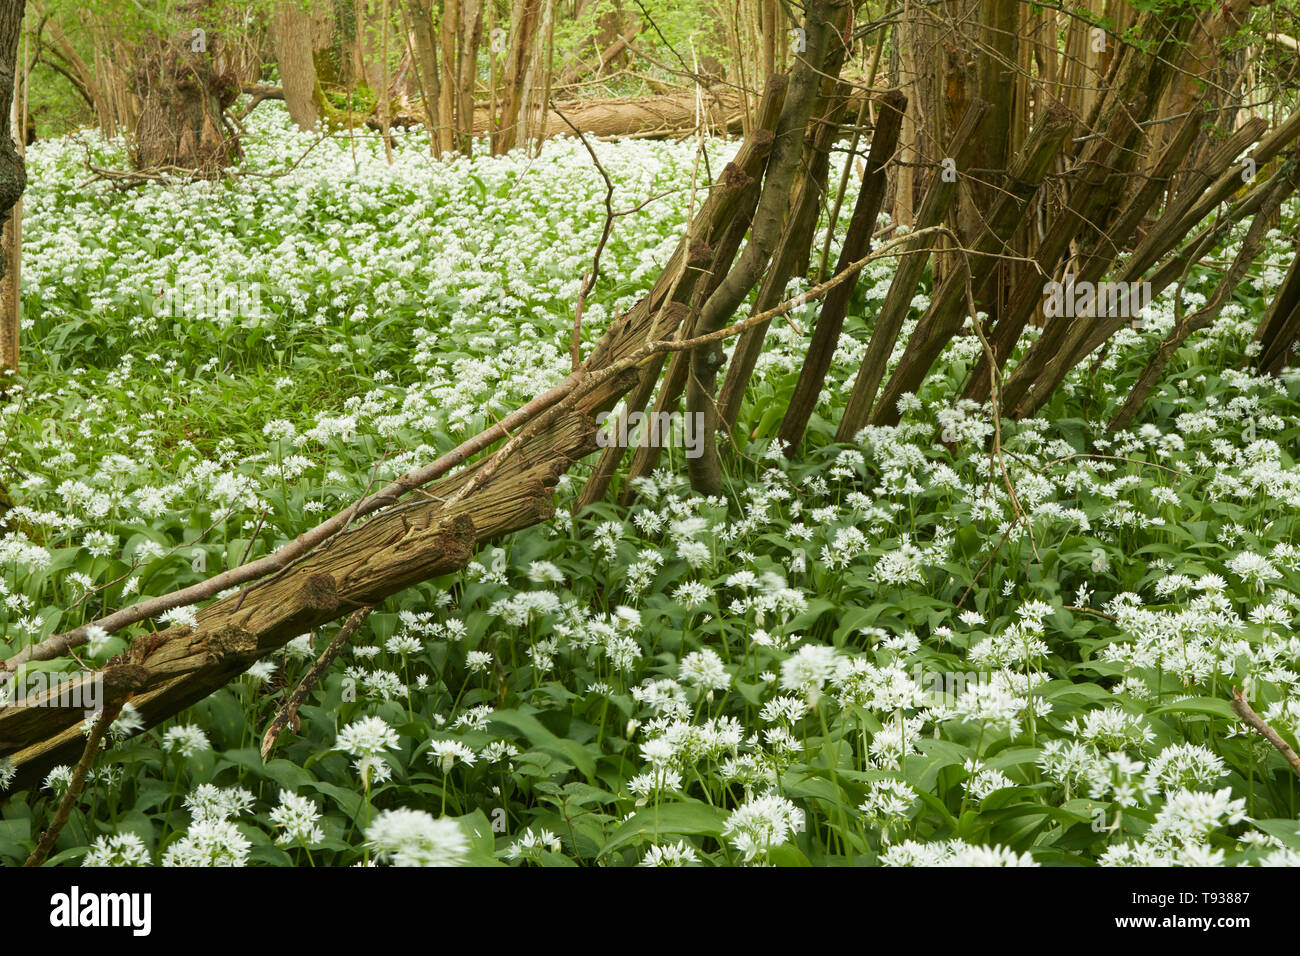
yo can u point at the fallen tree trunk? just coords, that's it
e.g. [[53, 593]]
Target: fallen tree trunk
[[396, 549], [653, 116], [646, 117]]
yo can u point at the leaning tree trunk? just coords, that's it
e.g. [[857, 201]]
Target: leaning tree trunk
[[830, 321], [1277, 334], [1278, 190], [770, 218], [183, 90]]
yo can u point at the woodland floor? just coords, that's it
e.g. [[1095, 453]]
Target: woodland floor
[[864, 656]]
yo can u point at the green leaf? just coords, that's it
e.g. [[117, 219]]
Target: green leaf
[[1288, 831], [1210, 706], [787, 855], [547, 742], [691, 818], [347, 800]]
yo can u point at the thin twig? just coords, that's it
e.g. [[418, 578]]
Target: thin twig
[[590, 281], [1087, 610], [291, 704], [75, 786]]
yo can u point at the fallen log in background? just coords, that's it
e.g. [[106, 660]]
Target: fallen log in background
[[644, 117], [581, 70]]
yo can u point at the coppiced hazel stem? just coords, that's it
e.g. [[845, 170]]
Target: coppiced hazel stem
[[943, 319], [1206, 315], [889, 320], [1281, 323], [769, 220], [646, 456], [826, 333], [798, 234]]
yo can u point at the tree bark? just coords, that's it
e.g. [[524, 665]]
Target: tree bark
[[182, 95], [1206, 315], [523, 28], [13, 179], [471, 30], [293, 48], [950, 303], [769, 222], [857, 242], [1277, 333], [1043, 368], [448, 31], [426, 68], [790, 256], [893, 311]]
